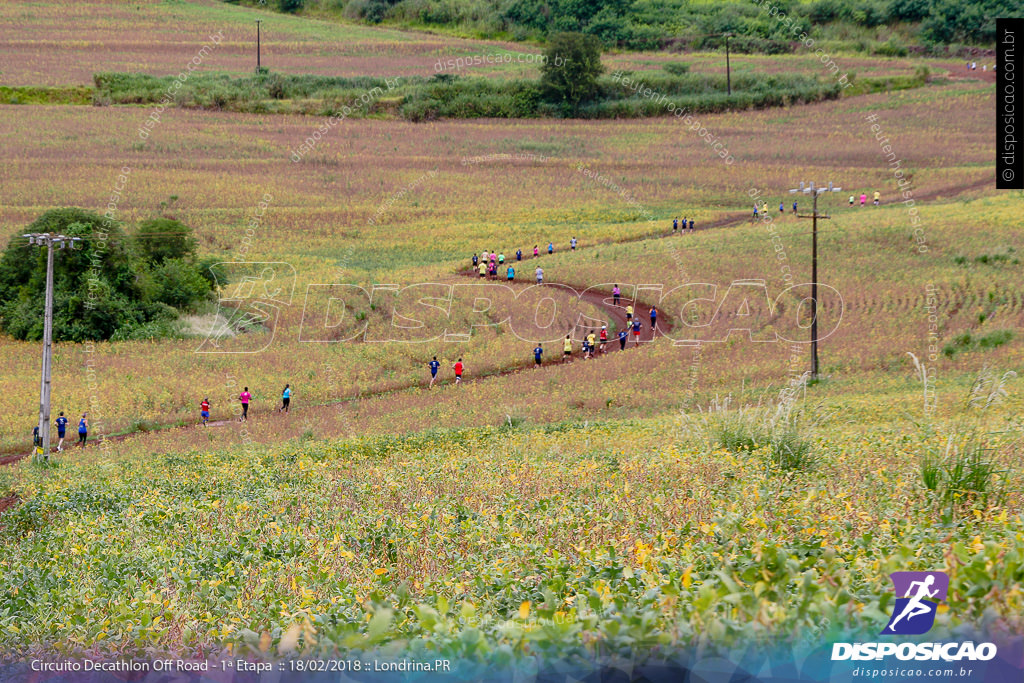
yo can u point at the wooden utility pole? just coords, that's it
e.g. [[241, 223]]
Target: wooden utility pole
[[258, 45], [814, 192]]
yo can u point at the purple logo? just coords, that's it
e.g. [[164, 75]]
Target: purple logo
[[918, 595]]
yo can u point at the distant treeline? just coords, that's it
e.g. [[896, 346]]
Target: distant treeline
[[450, 96], [935, 25]]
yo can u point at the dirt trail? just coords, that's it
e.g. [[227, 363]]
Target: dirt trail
[[603, 300]]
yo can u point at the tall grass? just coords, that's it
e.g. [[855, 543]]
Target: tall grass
[[961, 475], [782, 434]]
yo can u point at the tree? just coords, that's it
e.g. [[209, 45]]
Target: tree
[[162, 239], [102, 288], [569, 74]]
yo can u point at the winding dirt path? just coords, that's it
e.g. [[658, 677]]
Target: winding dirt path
[[603, 300]]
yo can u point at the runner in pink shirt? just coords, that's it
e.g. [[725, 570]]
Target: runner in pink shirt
[[244, 398]]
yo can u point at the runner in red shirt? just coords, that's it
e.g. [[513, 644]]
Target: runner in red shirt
[[458, 371], [204, 409], [603, 337]]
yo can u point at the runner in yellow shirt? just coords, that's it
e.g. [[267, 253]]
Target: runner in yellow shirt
[[629, 312], [878, 196], [567, 348], [483, 269]]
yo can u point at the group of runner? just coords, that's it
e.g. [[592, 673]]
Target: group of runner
[[62, 424], [244, 398], [489, 263], [676, 224], [594, 342]]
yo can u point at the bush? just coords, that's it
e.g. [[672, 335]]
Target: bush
[[163, 239]]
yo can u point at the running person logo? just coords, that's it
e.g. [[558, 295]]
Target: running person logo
[[918, 595]]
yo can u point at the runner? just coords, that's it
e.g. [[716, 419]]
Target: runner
[[538, 351], [675, 224], [851, 200], [622, 340], [604, 338], [37, 441], [536, 251], [794, 207], [637, 326], [519, 254], [567, 349], [62, 424], [591, 344], [863, 199], [691, 225], [616, 293], [244, 397], [286, 398], [204, 411], [551, 248], [501, 259], [754, 218], [586, 348], [458, 367], [654, 319], [83, 429], [434, 365], [572, 244], [782, 208], [629, 312], [483, 269], [540, 275], [511, 273], [878, 196], [494, 270], [476, 261]]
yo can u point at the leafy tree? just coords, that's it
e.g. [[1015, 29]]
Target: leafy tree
[[161, 239], [569, 74], [102, 287]]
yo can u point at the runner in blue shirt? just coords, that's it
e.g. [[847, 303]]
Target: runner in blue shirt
[[511, 273], [434, 366], [675, 224], [286, 398], [537, 353], [519, 254], [62, 424], [83, 430], [622, 340], [654, 318], [551, 248], [691, 225]]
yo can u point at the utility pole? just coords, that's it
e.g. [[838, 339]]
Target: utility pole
[[814, 192], [258, 45], [48, 240], [728, 74]]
